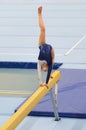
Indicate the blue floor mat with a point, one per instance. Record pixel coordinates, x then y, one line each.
71 96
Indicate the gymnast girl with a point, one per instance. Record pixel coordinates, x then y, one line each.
46 52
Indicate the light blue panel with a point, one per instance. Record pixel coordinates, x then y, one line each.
77 56
28 10
50 14
24 31
18 42
18 57
82 44
34 31
66 31
65 22
69 5
74 66
8 105
18 13
62 41
31 41
51 22
61 5
60 51
25 51
18 21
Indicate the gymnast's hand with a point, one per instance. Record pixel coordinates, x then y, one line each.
44 84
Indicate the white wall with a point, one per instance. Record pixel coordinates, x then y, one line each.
65 21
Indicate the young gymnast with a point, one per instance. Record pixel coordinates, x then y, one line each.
46 54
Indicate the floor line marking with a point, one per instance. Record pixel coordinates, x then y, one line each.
15 93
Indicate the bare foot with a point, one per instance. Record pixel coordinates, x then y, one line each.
40 10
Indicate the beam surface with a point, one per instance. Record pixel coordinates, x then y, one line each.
30 103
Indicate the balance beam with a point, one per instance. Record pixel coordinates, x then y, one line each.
30 103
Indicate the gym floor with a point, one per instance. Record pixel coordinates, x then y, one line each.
10 98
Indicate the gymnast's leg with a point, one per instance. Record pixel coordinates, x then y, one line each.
42 39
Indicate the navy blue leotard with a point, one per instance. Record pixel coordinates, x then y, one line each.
45 54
